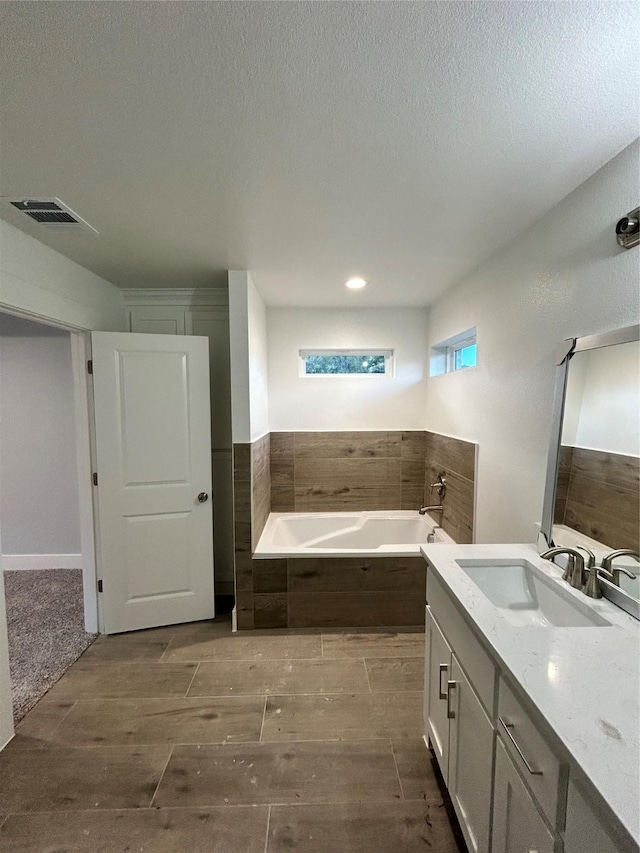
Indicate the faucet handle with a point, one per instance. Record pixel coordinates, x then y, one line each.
620 570
440 486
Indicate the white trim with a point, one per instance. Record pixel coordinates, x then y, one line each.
24 562
38 318
82 399
218 296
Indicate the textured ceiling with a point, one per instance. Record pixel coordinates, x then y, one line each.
309 141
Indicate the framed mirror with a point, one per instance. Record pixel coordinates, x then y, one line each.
592 492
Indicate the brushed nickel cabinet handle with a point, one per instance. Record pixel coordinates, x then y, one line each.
443 668
507 727
451 685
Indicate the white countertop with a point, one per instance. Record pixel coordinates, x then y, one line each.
585 682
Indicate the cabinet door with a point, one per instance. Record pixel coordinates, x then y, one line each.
471 738
157 319
584 831
437 672
517 825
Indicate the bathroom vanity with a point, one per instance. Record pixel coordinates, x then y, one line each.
531 704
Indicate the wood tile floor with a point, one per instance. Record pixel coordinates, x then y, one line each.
193 740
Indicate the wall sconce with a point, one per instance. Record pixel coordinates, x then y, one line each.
628 229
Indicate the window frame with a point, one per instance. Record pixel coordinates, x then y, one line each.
442 356
389 362
454 349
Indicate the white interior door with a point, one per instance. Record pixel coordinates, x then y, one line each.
153 450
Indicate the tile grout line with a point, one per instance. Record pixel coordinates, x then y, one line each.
395 764
161 777
266 840
59 723
197 669
264 714
366 672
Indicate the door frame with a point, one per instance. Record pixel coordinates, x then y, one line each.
83 418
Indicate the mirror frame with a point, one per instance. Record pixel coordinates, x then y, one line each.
565 353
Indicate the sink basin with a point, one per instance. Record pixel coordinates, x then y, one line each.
527 597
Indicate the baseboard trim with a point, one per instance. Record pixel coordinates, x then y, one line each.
13 562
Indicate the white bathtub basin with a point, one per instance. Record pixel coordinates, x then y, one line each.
346 533
527 597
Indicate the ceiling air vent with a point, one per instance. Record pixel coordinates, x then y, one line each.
52 213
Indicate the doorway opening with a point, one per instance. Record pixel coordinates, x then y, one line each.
40 516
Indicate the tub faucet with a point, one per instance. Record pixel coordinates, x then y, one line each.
574 570
425 509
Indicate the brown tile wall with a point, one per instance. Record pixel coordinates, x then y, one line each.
260 486
598 495
342 471
333 472
562 483
456 461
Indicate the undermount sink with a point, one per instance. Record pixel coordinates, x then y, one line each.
527 597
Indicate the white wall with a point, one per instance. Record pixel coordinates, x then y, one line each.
564 277
39 511
350 402
42 282
248 348
608 416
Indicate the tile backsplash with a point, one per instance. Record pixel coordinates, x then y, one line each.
342 471
597 494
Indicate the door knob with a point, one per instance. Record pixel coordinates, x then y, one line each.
203 497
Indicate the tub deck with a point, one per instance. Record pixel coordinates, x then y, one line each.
341 570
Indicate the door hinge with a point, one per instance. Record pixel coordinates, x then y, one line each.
99 586
95 479
90 366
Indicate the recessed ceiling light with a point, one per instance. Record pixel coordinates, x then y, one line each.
356 283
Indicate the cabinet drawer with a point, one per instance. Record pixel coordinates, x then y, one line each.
529 751
477 664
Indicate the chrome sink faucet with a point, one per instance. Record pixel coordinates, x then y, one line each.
574 570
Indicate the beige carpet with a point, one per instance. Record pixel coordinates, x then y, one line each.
45 620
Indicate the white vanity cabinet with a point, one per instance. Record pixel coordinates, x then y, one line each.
459 729
508 776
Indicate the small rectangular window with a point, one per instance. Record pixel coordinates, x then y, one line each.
457 353
346 362
464 355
